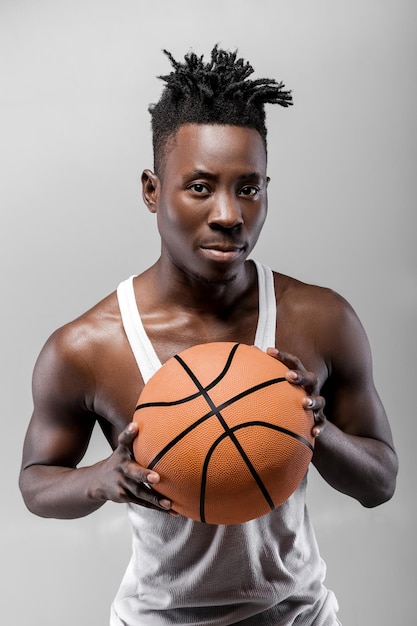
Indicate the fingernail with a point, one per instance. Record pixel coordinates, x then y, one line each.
166 504
152 477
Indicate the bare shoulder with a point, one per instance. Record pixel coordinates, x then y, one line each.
72 356
322 306
323 319
309 297
78 339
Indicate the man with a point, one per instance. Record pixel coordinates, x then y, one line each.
209 194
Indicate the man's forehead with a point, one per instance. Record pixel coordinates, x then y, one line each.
217 142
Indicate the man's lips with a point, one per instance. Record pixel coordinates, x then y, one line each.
222 252
223 247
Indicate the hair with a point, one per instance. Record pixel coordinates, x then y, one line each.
216 92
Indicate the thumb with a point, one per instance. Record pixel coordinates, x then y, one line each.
127 435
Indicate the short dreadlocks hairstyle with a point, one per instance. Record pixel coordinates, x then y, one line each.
216 92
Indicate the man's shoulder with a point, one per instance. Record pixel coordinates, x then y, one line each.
299 292
96 327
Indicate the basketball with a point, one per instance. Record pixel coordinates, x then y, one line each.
226 432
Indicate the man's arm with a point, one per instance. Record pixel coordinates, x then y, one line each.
354 451
57 439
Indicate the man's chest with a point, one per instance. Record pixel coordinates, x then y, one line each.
119 381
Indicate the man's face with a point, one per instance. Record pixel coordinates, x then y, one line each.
212 201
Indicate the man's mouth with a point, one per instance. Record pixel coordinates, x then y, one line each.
222 251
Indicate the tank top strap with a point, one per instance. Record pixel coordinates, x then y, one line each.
142 348
146 358
267 318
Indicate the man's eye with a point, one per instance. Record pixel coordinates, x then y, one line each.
198 188
249 190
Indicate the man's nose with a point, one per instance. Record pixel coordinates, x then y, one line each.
225 212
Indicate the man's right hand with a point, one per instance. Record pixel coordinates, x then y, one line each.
122 479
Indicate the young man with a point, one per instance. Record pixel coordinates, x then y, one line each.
209 194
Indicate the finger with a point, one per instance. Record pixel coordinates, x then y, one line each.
314 403
141 475
303 378
133 470
297 374
319 424
290 360
127 435
154 501
142 493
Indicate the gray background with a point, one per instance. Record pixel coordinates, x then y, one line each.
76 79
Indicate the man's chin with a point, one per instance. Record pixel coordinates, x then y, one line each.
215 281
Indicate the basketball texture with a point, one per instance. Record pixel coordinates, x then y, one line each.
226 432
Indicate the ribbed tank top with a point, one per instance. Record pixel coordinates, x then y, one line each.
267 571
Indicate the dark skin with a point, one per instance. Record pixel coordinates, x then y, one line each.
210 203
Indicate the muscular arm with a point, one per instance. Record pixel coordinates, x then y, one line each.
354 452
58 436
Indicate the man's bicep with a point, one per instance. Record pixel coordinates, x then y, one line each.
352 401
357 410
57 438
61 425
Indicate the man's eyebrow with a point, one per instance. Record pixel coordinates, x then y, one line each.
199 174
203 174
252 176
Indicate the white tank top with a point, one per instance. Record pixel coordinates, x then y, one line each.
143 350
267 571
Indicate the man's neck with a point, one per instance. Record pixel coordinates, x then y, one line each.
174 288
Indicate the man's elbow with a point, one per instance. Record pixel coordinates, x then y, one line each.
29 493
384 483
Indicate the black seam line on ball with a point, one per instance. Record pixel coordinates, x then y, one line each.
255 475
198 393
217 411
211 413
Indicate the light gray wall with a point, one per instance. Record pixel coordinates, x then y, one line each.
76 78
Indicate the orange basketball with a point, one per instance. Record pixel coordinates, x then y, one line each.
226 432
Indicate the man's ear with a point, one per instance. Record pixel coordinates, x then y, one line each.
150 186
